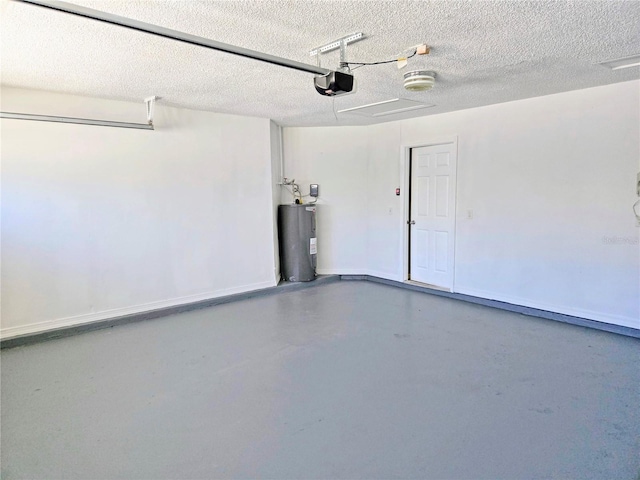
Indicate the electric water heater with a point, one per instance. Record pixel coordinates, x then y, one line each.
298 247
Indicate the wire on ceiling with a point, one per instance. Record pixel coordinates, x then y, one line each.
363 64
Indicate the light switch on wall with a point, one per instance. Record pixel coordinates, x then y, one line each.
469 214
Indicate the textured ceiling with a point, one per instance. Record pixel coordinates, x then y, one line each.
483 52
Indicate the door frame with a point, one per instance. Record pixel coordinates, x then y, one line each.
405 175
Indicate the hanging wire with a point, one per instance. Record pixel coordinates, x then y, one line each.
347 65
363 64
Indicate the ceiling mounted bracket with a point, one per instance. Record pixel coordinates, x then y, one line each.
340 43
151 103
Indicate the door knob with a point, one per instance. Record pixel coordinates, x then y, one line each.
411 222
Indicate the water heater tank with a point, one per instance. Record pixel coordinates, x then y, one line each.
298 248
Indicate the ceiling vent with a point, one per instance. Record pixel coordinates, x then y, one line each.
388 107
419 80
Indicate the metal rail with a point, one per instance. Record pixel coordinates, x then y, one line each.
175 35
81 121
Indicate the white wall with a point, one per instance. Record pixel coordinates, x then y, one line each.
336 159
550 181
275 132
99 222
384 209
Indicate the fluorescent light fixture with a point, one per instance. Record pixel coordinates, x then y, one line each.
626 62
387 107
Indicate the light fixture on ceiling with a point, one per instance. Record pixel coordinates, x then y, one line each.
419 80
387 107
619 63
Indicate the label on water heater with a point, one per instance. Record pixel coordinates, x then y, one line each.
313 246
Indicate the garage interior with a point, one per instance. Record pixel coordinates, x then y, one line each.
474 306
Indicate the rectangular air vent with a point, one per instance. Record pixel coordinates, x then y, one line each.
388 107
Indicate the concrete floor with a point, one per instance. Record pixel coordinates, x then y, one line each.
345 380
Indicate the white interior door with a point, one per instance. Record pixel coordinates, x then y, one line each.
432 214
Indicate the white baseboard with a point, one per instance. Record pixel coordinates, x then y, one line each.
82 319
574 312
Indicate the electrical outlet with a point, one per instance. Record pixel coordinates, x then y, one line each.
423 49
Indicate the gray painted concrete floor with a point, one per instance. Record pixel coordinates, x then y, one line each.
346 380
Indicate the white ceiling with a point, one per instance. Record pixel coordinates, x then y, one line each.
483 52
